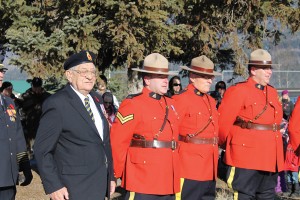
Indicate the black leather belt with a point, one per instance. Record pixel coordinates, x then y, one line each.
154 144
195 140
250 125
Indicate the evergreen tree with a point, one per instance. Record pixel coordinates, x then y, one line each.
43 33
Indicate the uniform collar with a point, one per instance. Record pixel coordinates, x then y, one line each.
151 94
256 85
260 87
196 91
155 95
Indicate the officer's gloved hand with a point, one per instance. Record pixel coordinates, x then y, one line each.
26 169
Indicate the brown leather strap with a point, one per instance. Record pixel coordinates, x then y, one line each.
195 140
250 125
154 144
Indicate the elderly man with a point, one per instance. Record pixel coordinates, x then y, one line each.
72 146
198 132
12 147
250 115
144 137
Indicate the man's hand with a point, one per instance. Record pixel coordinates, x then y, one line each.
61 194
28 177
112 187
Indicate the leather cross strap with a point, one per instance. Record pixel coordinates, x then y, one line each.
154 144
195 140
250 125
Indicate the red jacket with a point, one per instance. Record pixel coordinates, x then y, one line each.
294 126
197 161
250 148
146 170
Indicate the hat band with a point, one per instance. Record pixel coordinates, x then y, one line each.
260 62
202 69
154 69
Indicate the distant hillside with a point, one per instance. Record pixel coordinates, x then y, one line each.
287 53
14 73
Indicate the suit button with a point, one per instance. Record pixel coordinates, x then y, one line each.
7 125
9 139
11 154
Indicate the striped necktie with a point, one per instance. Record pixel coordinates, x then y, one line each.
88 107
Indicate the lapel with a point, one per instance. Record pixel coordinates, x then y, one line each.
77 104
99 104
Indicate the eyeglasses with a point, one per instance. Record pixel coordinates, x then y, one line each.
176 84
84 73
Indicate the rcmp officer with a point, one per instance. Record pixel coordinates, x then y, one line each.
12 147
250 115
198 132
294 128
144 137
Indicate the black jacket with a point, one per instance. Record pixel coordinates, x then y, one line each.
68 149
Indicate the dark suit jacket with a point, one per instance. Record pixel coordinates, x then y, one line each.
12 143
68 149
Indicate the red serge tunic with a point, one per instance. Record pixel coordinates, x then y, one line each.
294 127
197 161
250 148
146 170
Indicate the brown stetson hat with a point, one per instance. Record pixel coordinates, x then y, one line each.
155 63
260 58
2 68
202 65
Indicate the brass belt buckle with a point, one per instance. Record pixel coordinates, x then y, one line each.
174 145
216 140
274 127
155 143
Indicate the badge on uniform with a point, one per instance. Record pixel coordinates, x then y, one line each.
11 111
124 119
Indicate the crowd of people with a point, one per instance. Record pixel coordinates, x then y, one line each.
163 143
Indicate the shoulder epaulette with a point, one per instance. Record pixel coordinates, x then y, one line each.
131 96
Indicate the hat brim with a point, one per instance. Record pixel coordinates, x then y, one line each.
258 64
199 72
154 72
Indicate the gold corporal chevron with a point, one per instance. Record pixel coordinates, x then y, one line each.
124 119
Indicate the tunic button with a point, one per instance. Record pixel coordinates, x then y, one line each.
154 118
243 144
199 113
144 161
270 102
254 103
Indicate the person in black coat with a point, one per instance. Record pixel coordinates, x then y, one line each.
12 147
72 146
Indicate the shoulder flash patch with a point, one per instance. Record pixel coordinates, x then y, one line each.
124 119
131 96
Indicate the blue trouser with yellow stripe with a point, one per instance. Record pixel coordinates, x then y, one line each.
251 184
196 190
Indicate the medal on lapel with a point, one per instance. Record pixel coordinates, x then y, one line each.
11 111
